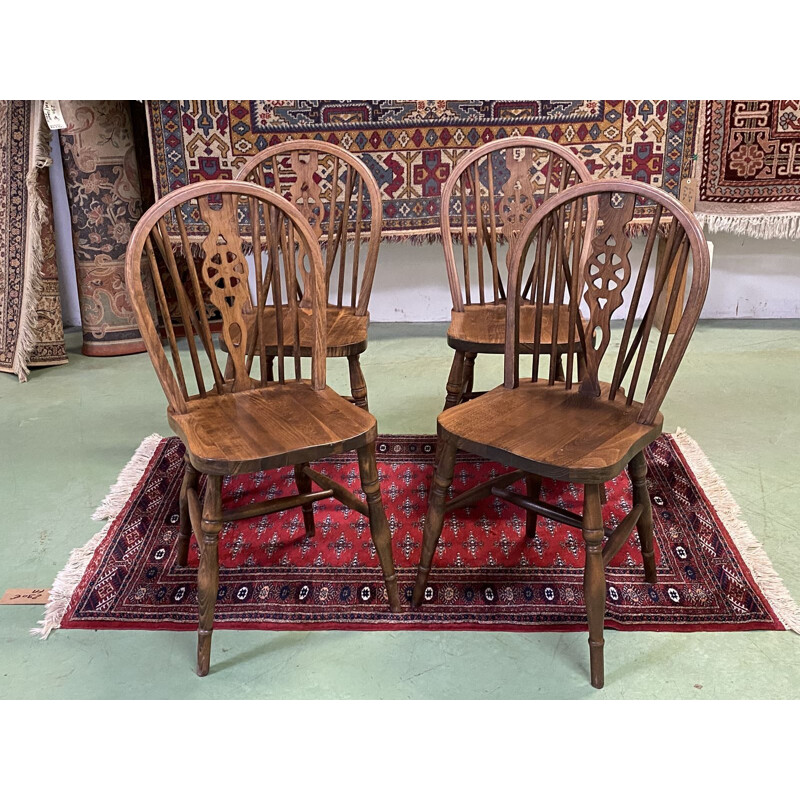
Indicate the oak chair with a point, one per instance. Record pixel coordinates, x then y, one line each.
247 421
340 200
581 430
491 194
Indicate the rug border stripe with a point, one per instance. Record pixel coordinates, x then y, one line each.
754 557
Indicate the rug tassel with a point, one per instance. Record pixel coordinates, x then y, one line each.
68 579
758 226
752 551
119 493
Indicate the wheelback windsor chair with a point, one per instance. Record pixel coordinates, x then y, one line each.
581 430
247 421
340 200
491 194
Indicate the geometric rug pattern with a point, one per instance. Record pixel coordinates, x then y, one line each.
487 574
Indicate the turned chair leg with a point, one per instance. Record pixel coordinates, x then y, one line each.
304 487
358 386
378 524
533 487
455 382
469 374
594 579
208 574
637 469
185 533
442 478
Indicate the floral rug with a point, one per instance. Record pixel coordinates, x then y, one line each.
712 573
105 201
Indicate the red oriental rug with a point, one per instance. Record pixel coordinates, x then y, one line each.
713 574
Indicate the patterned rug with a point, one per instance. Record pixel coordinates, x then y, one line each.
713 574
105 200
411 146
749 167
31 332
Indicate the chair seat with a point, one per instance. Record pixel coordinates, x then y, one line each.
346 332
550 431
274 426
482 329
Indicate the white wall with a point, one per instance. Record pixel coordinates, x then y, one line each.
750 278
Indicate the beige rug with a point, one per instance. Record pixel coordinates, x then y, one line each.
31 332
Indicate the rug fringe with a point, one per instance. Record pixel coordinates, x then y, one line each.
119 493
752 551
760 226
32 285
68 579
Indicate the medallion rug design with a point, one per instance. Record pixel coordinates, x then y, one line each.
105 200
31 332
411 146
749 167
713 574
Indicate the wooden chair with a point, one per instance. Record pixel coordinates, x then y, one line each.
329 186
247 422
585 431
517 174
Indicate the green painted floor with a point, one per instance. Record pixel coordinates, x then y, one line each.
68 432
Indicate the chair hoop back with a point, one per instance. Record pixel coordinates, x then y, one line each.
195 283
329 186
517 180
594 274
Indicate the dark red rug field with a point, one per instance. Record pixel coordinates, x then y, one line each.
487 574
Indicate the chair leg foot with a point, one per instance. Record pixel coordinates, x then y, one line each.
442 478
420 583
358 384
208 573
185 533
303 487
596 666
455 382
378 524
638 472
203 652
594 579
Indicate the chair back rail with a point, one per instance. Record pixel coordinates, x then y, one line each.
339 198
255 298
579 262
492 193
